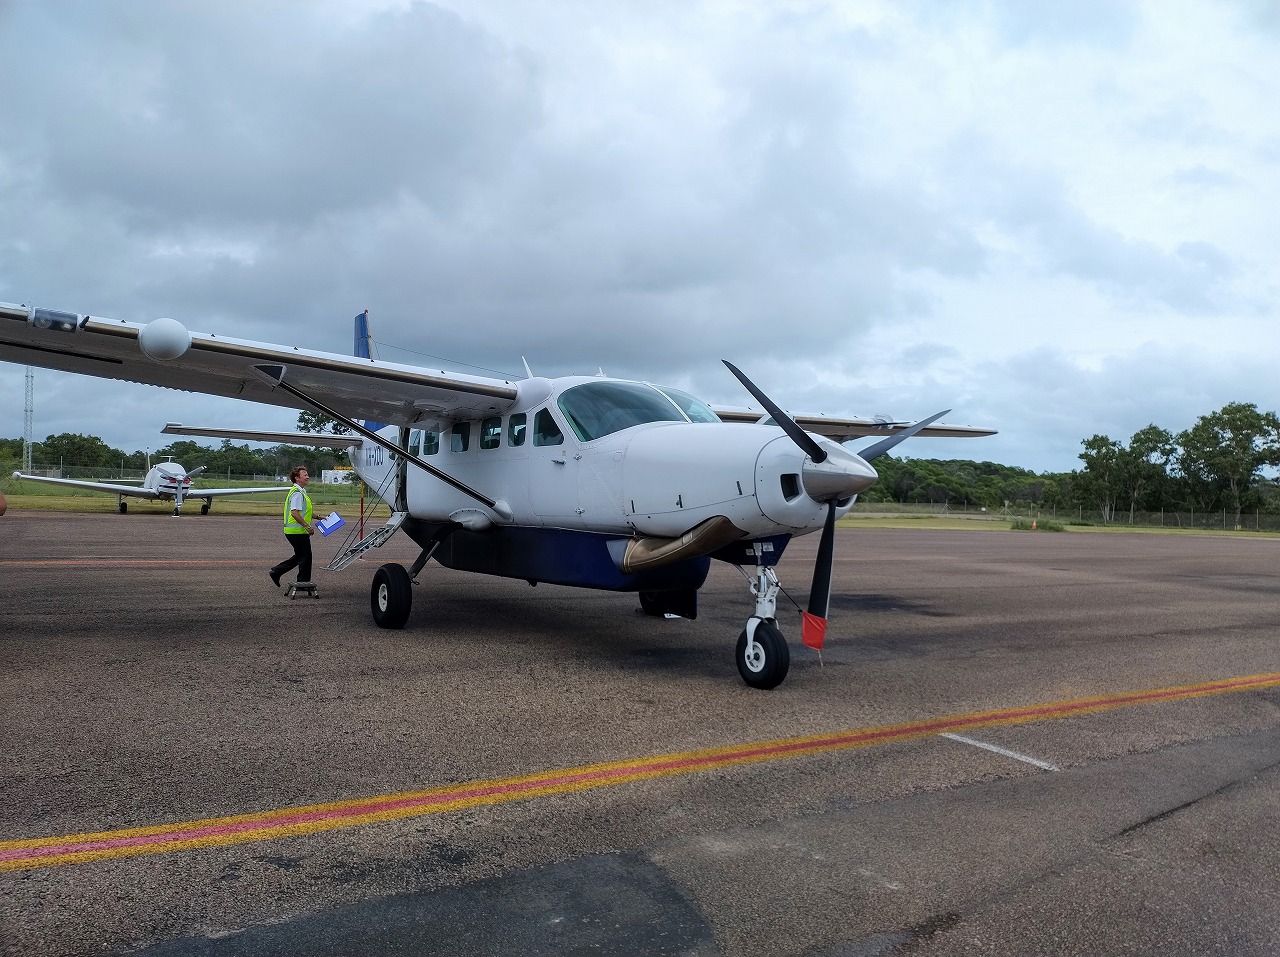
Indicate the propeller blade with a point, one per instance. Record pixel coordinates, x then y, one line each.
820 590
813 628
884 445
197 470
798 435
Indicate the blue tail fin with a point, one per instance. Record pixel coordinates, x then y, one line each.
362 350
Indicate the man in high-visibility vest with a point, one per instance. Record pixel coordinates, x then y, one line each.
298 528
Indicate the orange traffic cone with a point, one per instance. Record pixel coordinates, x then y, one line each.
1033 525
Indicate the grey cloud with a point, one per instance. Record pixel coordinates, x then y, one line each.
1185 121
252 116
269 172
1045 403
1202 176
1058 237
1105 23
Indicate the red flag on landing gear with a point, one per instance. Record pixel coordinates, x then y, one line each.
813 630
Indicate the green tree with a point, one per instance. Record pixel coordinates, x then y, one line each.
315 422
72 448
1103 473
186 453
1229 448
1144 464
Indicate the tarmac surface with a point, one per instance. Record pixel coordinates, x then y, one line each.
153 677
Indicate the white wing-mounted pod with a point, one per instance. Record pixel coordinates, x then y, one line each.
164 339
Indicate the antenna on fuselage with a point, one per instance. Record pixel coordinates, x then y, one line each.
527 370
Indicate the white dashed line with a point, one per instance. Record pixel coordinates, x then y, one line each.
1044 765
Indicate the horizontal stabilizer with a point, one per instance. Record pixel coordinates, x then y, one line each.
326 440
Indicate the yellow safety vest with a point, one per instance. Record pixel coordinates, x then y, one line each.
290 526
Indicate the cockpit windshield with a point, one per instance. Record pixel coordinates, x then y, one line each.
597 409
690 405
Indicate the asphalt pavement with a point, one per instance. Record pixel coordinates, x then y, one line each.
548 771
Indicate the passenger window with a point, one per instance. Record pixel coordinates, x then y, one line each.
415 440
516 429
460 439
545 430
491 432
431 442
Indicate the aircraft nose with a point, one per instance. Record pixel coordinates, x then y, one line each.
842 474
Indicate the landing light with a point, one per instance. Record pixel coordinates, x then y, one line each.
54 319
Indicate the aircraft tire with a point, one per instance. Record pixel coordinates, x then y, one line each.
204 509
124 507
391 597
768 668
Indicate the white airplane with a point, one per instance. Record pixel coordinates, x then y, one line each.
584 481
165 481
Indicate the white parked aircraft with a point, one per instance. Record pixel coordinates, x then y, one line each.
166 481
584 481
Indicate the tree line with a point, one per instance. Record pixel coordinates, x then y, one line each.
1216 464
88 451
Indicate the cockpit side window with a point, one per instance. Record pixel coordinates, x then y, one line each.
597 409
545 430
415 441
431 442
491 432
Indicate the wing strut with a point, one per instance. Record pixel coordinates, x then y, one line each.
275 374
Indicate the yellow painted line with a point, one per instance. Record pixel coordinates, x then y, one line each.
290 822
98 563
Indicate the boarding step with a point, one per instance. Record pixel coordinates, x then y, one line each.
298 589
374 539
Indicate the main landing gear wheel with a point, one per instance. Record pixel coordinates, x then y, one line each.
124 507
764 662
651 604
204 509
391 597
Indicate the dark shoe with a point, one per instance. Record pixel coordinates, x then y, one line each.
275 577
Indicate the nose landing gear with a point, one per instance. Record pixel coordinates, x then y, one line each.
762 654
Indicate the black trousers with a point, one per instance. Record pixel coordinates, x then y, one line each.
301 559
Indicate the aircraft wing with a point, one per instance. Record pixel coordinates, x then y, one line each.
841 429
216 365
323 440
134 490
193 492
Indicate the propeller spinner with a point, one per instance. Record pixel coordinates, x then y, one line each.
832 475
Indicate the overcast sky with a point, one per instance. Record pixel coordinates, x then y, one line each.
1054 219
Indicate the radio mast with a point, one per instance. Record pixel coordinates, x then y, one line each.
26 419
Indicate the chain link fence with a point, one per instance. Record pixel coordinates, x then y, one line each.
1216 519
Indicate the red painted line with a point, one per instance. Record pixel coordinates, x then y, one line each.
277 823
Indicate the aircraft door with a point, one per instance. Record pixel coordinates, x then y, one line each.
554 463
377 467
